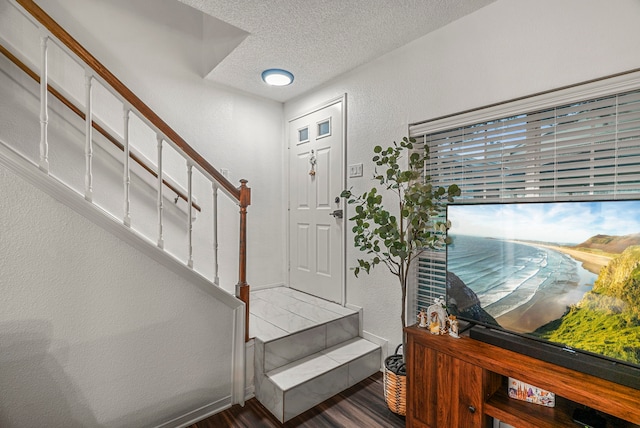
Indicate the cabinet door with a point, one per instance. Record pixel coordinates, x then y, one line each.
421 386
459 393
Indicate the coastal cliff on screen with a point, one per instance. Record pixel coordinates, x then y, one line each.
607 319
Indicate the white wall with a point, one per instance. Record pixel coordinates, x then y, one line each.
93 332
508 49
154 47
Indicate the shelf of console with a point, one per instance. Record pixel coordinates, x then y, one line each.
572 388
518 413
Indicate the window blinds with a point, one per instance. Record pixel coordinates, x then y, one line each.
585 150
582 150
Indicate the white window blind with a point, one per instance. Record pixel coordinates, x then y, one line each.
582 150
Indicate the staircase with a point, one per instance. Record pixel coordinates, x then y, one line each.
81 136
306 350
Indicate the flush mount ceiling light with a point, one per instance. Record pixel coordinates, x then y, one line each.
277 77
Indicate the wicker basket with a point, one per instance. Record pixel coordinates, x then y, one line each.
395 384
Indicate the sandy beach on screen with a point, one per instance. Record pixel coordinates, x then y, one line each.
591 262
549 305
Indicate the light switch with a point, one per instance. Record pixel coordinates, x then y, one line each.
355 170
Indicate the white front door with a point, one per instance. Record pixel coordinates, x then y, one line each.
316 178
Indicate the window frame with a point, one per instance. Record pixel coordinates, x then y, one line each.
433 283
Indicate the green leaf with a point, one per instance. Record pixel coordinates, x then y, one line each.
377 232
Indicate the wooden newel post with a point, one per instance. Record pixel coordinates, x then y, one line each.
242 288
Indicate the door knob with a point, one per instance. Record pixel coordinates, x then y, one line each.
336 213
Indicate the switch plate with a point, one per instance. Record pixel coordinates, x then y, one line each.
355 170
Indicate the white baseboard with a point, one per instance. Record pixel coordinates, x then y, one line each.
223 404
265 286
360 312
354 307
249 392
382 342
249 369
199 414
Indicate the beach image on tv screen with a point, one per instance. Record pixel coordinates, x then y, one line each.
567 272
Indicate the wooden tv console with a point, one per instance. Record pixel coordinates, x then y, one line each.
461 382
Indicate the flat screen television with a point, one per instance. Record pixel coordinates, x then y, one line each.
559 281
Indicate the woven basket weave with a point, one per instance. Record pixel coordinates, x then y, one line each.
395 385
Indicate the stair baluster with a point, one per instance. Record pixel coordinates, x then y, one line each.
190 212
126 178
88 148
160 202
44 113
216 278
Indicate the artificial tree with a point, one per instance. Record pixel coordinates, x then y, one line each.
397 233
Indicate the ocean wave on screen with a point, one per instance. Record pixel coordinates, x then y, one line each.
505 274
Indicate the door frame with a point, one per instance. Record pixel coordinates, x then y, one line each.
343 174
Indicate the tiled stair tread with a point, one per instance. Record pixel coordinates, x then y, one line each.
285 311
304 305
305 369
298 302
263 329
282 292
280 317
350 350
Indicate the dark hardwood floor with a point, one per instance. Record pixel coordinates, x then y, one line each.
359 406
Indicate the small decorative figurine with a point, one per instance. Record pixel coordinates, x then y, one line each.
434 327
437 316
453 326
422 317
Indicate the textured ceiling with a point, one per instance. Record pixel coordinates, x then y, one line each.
318 40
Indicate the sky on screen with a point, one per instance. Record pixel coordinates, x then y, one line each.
557 222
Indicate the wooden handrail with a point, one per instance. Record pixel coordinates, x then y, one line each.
64 100
55 29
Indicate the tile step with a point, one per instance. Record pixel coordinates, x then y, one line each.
298 386
279 311
305 369
296 346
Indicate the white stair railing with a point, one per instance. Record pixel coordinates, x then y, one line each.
95 73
